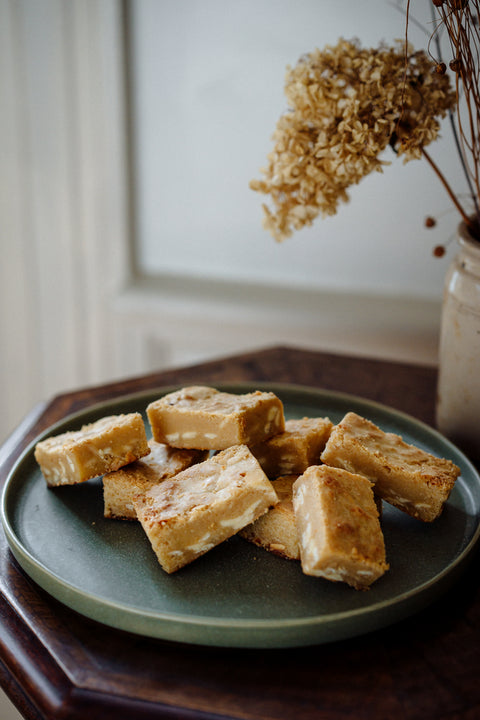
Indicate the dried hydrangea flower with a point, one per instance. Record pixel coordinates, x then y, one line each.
347 104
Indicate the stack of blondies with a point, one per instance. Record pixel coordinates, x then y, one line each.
220 464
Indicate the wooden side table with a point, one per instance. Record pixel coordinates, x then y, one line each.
55 663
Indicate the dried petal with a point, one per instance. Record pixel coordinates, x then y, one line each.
347 104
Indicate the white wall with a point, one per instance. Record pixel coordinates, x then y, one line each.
76 305
64 239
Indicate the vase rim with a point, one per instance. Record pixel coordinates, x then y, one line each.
466 239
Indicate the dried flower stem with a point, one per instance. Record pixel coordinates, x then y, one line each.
446 185
451 113
460 19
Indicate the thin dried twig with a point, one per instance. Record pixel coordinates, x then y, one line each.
460 20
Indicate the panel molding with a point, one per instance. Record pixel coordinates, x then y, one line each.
172 321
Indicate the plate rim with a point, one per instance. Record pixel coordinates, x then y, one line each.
198 621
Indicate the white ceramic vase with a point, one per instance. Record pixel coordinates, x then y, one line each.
458 397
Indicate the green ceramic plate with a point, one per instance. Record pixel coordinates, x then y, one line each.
237 594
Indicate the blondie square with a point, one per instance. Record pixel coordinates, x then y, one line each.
404 475
204 505
293 450
276 530
97 448
206 419
121 486
338 526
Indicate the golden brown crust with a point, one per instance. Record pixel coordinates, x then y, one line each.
338 527
204 418
276 530
186 516
99 447
293 450
122 486
406 476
